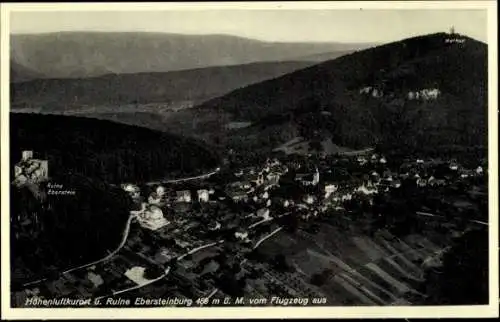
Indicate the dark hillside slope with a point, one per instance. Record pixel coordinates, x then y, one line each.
59 232
105 150
330 96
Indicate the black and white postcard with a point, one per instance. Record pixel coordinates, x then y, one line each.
244 160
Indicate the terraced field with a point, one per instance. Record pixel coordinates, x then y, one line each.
351 268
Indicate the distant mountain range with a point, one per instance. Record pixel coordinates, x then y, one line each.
366 98
90 54
170 89
422 94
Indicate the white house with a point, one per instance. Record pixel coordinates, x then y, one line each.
215 226
346 196
128 187
329 189
152 218
183 196
203 195
396 184
363 189
264 213
243 235
154 199
361 160
308 199
421 182
160 191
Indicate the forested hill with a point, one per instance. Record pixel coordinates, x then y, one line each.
105 150
368 97
59 232
166 88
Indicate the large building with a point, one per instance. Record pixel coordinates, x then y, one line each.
151 217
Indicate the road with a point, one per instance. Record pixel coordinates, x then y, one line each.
194 250
125 231
260 222
356 152
125 234
266 237
201 176
427 214
167 270
197 249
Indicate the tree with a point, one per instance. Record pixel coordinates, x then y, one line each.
319 279
152 272
280 263
463 278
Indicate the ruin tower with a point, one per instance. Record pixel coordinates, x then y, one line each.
27 155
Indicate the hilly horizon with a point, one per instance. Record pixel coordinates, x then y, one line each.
171 89
334 101
343 98
90 54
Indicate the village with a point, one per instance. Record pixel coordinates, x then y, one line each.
202 238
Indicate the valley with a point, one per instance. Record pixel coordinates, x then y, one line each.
351 174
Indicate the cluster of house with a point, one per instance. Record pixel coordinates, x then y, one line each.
419 171
374 159
150 214
253 183
30 170
308 179
424 94
371 91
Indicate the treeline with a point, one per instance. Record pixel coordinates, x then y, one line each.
104 150
463 278
63 231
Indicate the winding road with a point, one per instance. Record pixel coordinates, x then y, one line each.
427 214
125 231
266 237
107 257
201 176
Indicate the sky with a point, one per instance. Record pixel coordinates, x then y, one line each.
277 25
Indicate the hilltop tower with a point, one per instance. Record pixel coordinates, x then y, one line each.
452 30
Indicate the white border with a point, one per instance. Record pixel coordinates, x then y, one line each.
490 310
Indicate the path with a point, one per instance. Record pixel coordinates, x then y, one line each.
201 176
107 257
266 237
